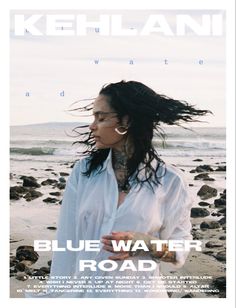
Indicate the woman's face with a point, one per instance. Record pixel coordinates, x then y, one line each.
104 125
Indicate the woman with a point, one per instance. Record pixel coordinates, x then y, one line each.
122 190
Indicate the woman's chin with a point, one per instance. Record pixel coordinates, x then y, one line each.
99 145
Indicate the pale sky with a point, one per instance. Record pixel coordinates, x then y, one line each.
45 66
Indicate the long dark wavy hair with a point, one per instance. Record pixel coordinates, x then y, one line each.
146 110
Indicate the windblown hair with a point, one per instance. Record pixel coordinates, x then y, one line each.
146 110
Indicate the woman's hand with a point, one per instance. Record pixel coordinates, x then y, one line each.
163 255
117 236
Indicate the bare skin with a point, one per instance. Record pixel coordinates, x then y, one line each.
103 129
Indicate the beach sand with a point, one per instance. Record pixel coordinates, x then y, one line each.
30 220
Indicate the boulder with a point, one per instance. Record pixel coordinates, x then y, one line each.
204 177
219 283
61 185
32 194
26 253
204 168
207 192
62 180
64 173
221 202
221 255
221 168
210 225
202 203
199 212
49 182
212 244
50 200
16 192
21 276
222 238
51 228
29 181
222 221
55 193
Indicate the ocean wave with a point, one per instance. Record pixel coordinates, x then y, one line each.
33 151
195 145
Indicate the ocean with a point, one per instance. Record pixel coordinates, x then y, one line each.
52 143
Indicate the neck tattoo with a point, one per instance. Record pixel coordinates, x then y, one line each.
120 160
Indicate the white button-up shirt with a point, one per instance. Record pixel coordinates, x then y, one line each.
90 210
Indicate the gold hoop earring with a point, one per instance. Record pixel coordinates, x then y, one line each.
119 132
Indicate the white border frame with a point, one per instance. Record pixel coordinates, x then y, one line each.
229 6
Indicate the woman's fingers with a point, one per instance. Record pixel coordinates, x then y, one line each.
118 236
120 256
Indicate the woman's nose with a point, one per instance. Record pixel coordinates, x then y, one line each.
92 126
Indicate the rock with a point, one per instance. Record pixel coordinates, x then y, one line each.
49 262
50 200
212 244
221 168
27 263
16 192
199 212
204 177
29 271
197 235
32 194
198 159
219 283
64 173
207 192
190 185
49 169
222 238
46 270
215 214
62 180
222 221
208 252
51 228
204 168
26 253
20 267
202 203
210 225
223 211
13 261
221 256
221 202
61 185
55 193
189 295
39 273
21 276
49 182
29 181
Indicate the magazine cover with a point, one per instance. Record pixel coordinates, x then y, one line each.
118 153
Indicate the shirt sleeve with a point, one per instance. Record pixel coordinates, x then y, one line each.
63 262
176 223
